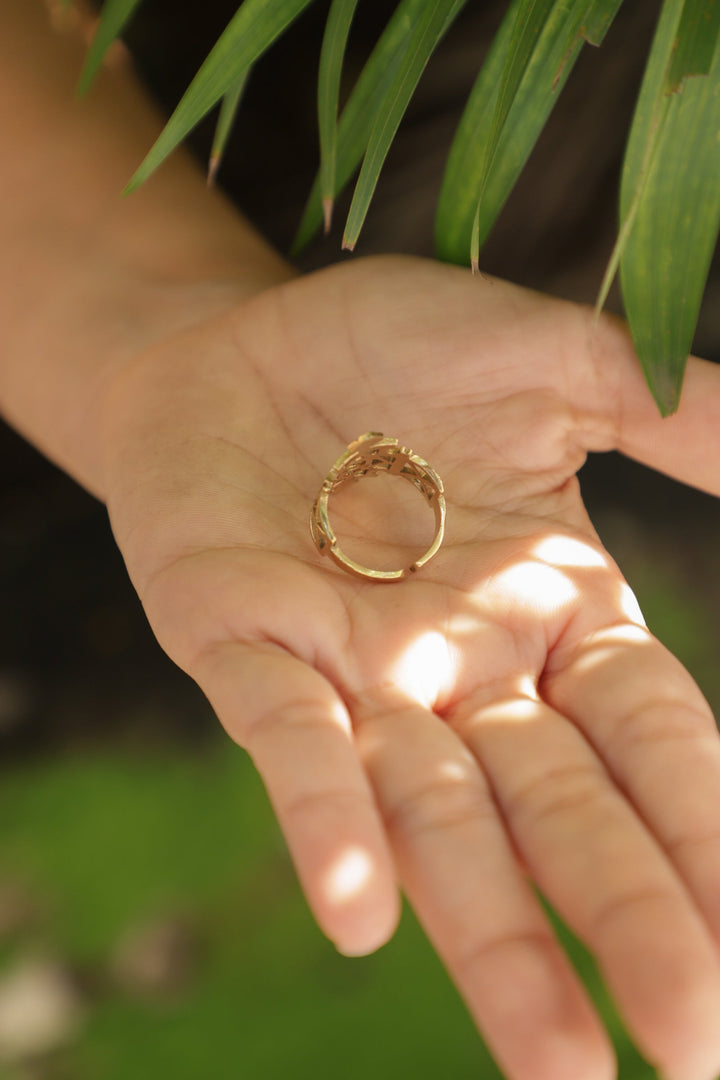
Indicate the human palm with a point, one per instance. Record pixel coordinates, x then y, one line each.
500 719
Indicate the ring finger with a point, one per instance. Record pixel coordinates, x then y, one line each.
601 868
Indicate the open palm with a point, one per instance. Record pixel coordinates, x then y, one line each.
503 718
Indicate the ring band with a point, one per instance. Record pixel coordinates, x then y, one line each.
369 455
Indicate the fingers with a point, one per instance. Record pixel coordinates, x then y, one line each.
653 728
469 891
635 881
296 729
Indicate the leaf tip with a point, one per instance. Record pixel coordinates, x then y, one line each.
82 86
132 185
213 166
347 244
667 399
665 383
327 205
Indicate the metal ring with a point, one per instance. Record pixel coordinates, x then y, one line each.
370 454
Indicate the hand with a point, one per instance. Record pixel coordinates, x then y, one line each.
504 717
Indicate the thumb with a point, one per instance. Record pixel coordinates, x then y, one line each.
686 445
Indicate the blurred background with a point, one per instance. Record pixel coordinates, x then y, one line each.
150 922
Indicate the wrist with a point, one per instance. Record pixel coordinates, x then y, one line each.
67 340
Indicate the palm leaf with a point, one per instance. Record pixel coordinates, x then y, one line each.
250 32
496 135
670 197
358 116
697 36
432 21
114 17
228 111
529 23
599 20
334 43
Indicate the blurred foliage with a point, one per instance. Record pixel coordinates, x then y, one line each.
107 841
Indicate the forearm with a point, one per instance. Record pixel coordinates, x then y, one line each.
87 278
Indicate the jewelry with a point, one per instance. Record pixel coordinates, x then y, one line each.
369 455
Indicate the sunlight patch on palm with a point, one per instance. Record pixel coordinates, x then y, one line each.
630 606
533 584
426 669
568 551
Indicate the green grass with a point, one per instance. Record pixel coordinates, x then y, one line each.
109 841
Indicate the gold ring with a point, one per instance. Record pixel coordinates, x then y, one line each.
369 455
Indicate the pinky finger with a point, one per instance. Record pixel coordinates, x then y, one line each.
298 733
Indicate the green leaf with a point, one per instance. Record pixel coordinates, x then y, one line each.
671 192
599 20
496 134
358 116
650 113
530 19
590 21
228 111
251 31
334 43
697 37
115 16
429 27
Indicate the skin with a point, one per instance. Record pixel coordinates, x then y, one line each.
502 719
